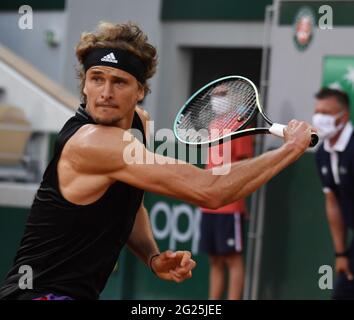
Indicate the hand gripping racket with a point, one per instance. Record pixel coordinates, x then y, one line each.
221 109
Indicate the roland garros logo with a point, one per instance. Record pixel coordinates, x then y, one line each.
304 28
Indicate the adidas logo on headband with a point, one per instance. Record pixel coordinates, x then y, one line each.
126 61
110 58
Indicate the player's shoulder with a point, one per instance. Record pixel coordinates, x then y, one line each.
95 147
95 137
97 131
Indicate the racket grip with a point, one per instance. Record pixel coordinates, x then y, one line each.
277 130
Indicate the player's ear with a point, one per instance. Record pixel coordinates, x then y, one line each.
84 90
141 92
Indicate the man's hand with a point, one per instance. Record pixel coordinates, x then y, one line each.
342 266
175 266
298 134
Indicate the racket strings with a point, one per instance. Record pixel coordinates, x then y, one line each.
242 101
234 104
244 98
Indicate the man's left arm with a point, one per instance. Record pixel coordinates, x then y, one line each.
175 266
141 240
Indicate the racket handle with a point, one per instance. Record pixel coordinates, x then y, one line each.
277 130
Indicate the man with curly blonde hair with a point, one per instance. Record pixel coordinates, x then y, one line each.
90 201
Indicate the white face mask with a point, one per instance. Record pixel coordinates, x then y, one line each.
220 104
326 124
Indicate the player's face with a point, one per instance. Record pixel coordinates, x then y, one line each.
111 94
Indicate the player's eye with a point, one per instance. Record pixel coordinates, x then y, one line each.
97 79
119 81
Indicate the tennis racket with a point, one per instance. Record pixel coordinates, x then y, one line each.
222 109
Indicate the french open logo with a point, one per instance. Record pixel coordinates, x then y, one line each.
304 26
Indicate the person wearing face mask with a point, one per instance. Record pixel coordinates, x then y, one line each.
335 164
222 229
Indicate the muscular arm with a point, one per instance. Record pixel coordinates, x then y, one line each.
174 266
113 154
336 223
141 241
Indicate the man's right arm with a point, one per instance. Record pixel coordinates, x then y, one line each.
110 152
339 234
335 221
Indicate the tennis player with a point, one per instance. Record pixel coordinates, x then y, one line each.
90 201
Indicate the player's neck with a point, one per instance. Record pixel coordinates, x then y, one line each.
126 122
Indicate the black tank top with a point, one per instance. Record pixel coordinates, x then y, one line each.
71 248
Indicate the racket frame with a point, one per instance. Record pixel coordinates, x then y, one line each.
232 135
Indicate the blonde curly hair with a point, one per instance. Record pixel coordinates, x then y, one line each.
126 36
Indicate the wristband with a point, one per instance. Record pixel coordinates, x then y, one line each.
342 254
150 262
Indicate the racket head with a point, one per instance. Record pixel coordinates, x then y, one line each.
221 109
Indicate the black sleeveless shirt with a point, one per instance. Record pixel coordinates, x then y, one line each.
72 249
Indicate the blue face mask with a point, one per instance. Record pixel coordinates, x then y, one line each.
326 124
